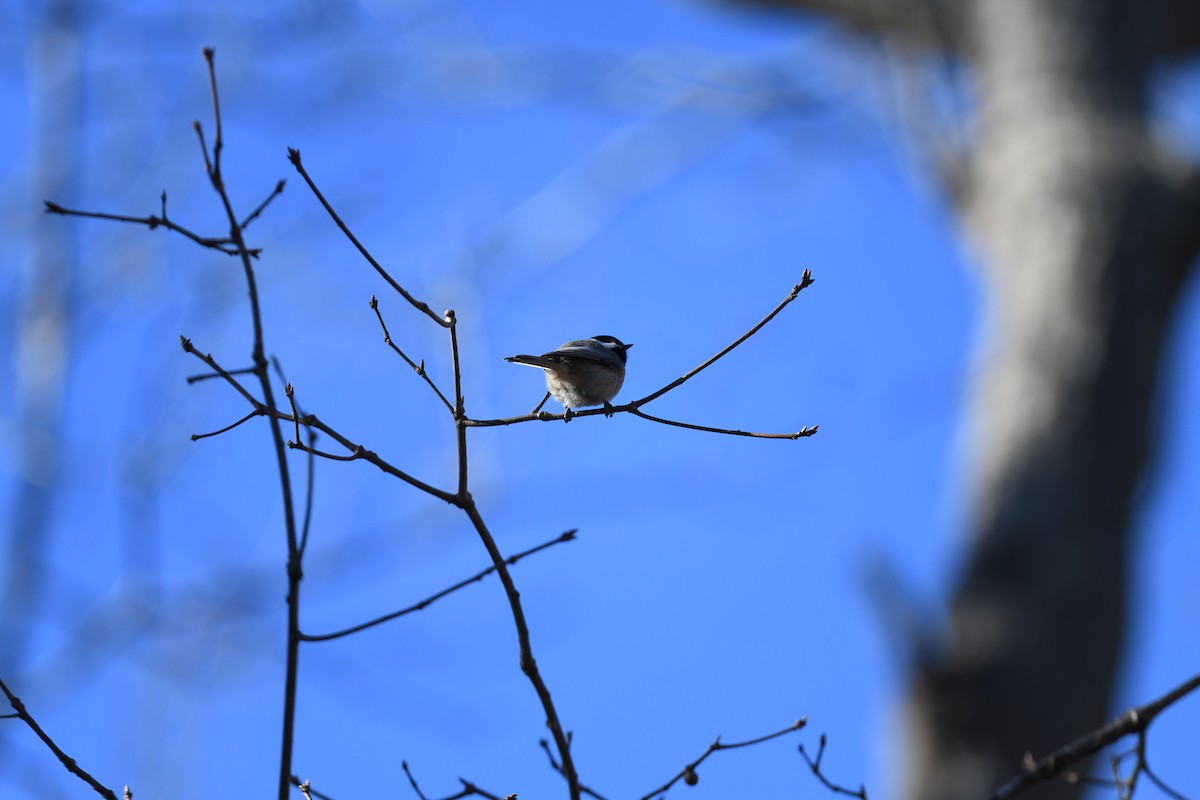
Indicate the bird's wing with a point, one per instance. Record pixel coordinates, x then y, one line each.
583 350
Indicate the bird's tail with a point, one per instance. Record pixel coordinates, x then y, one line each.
534 361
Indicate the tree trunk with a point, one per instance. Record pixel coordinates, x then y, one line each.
1072 222
1086 228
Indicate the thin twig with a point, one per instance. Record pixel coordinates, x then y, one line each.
250 416
218 140
278 190
1162 785
632 408
306 789
468 789
310 476
545 745
66 760
800 434
152 221
1135 720
815 766
325 637
806 280
358 452
294 157
309 483
210 375
471 789
688 773
412 781
207 358
417 368
203 146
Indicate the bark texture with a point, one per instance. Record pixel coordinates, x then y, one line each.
1086 227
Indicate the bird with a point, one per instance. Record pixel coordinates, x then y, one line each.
582 372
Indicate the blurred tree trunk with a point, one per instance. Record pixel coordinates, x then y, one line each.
42 327
1087 227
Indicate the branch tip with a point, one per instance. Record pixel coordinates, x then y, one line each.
54 208
294 156
209 52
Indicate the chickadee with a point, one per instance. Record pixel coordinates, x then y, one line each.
583 372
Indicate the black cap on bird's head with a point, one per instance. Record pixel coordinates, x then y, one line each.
614 344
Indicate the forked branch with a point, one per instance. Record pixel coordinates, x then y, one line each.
1133 721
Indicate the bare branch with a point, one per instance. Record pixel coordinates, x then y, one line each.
468 789
278 190
528 664
806 280
219 370
1135 720
800 434
294 157
203 146
219 141
255 413
688 773
417 368
325 637
152 221
815 766
209 375
634 406
66 760
545 745
412 781
294 570
310 475
358 452
306 789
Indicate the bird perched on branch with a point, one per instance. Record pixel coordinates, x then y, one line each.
582 372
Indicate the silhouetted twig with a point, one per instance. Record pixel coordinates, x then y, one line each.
1135 720
545 745
68 762
306 789
294 157
688 774
815 765
468 789
278 190
250 416
417 368
325 637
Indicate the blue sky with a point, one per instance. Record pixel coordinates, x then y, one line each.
662 172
